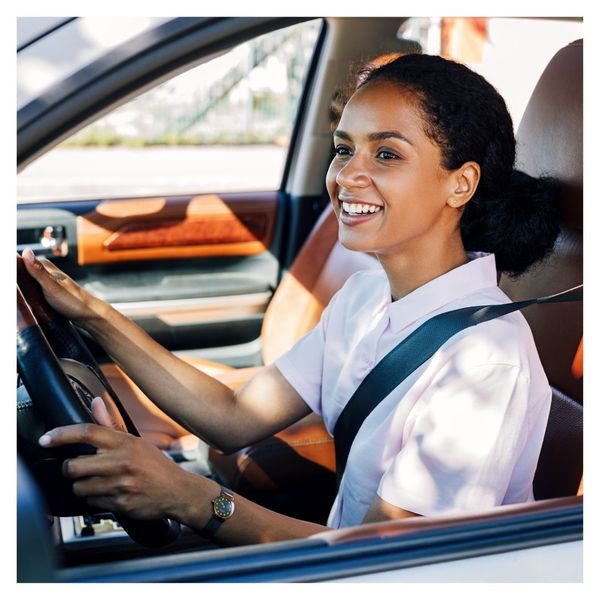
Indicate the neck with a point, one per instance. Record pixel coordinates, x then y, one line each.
410 268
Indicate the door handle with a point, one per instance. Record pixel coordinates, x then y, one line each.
52 242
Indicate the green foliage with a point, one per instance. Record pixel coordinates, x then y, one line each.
105 139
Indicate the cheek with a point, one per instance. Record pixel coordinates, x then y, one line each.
330 182
414 205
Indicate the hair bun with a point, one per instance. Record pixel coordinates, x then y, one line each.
519 226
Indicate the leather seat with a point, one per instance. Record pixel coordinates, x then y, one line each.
550 142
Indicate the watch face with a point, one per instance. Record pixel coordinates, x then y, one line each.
223 507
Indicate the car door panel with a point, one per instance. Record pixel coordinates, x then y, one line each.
195 272
182 227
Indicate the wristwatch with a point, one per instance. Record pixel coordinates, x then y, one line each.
222 507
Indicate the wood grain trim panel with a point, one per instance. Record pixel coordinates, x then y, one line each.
180 227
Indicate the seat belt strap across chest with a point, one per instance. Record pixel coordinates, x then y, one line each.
409 355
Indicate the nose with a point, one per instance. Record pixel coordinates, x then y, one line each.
353 174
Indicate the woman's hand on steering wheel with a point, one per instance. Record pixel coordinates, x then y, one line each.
127 475
61 292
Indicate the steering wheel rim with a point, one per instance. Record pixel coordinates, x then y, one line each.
61 377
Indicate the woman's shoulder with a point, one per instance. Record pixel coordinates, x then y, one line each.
503 340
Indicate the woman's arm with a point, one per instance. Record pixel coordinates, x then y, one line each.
225 419
129 476
380 510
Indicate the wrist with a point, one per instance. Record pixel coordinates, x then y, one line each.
193 506
99 313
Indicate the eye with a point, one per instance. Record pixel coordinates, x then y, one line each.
341 150
387 155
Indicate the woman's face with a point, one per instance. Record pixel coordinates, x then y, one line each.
386 183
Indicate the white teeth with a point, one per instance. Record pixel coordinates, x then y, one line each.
360 208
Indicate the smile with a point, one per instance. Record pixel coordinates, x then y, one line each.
359 209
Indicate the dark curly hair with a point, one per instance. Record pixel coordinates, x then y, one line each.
511 214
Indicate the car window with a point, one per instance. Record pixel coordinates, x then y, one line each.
224 125
510 53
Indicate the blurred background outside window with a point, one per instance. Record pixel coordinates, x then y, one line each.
224 125
510 53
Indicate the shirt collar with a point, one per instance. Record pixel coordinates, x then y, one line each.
477 274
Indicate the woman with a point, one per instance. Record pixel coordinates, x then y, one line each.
423 178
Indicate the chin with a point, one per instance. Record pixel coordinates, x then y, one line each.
354 242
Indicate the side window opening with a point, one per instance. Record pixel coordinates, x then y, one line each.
222 126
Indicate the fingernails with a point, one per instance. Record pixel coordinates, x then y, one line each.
28 255
45 440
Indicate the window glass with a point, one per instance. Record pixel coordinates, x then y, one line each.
224 125
511 53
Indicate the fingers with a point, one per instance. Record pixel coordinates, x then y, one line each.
102 502
103 493
32 262
90 466
38 269
86 433
62 293
97 465
98 486
42 266
101 414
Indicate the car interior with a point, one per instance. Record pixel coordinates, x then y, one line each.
293 472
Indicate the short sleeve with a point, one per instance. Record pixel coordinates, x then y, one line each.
463 444
302 364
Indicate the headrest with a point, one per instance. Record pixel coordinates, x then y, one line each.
550 136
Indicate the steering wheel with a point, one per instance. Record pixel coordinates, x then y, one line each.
61 378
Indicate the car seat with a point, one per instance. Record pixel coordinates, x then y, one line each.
550 142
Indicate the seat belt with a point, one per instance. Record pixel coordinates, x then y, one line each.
409 355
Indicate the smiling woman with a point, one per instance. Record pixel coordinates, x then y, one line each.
454 154
400 174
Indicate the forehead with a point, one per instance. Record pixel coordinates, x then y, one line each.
383 106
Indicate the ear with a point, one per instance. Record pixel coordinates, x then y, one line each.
464 182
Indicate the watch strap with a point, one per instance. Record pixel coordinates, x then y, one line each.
210 529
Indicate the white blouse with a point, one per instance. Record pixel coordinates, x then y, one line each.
463 432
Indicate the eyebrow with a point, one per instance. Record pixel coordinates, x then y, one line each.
376 136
